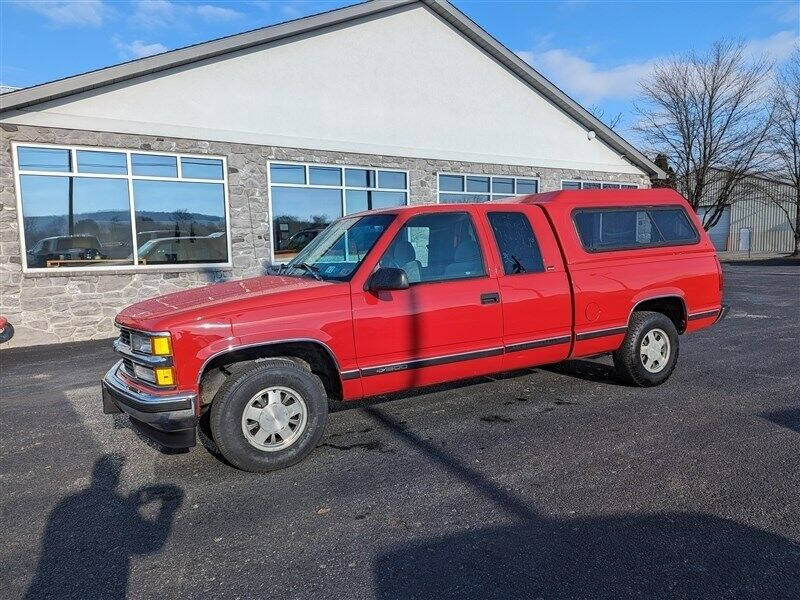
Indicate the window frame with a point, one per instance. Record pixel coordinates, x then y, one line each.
490 176
493 233
648 208
130 177
342 187
582 181
478 240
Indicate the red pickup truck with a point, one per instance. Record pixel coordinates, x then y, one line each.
405 297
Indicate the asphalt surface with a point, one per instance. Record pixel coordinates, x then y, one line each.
552 483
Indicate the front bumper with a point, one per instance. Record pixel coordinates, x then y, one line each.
169 420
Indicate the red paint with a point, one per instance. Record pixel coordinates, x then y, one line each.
578 293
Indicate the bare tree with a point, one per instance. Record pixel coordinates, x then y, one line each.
611 122
708 114
784 144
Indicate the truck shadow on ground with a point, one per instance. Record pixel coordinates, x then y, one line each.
789 418
91 536
654 555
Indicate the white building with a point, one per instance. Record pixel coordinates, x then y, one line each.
211 162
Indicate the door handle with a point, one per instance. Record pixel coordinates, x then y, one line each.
490 298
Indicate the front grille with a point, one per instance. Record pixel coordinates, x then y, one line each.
127 366
125 336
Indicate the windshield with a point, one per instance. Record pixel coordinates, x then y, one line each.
338 250
68 243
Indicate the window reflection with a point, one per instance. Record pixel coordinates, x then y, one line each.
87 220
43 159
154 165
299 214
110 163
201 168
180 222
455 189
302 208
75 221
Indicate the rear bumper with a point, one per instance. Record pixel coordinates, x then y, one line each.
168 420
723 312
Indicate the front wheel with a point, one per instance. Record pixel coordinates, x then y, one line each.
649 352
269 416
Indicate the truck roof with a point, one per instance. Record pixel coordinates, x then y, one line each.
563 199
604 197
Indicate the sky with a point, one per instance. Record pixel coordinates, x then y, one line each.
597 52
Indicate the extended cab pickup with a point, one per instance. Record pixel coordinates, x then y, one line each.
400 298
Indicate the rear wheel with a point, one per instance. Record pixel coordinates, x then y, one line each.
269 416
649 352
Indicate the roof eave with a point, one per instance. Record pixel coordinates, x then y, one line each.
76 84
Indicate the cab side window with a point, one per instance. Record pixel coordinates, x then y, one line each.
436 247
516 242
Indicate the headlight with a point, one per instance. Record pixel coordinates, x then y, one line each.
157 345
140 342
144 373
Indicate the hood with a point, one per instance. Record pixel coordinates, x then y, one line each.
198 303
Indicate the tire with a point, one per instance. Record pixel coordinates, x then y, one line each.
289 389
647 361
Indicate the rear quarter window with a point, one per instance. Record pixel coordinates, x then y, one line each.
607 229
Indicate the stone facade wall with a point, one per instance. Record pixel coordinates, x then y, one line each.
57 307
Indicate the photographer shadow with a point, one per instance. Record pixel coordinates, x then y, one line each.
91 536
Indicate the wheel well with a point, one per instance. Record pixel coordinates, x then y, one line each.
671 306
309 355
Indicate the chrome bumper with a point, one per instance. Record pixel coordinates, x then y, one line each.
168 420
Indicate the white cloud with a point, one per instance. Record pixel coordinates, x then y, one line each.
292 10
209 12
69 12
138 49
154 13
777 47
163 13
585 79
592 83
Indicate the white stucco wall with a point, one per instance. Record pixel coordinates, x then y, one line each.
403 84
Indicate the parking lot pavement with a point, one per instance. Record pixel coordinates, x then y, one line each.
552 483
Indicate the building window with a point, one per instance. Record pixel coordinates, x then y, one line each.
305 198
596 185
455 188
82 208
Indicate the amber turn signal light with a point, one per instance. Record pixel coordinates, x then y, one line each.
164 376
160 346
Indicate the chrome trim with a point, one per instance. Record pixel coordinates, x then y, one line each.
590 335
147 360
354 374
132 400
150 333
704 314
272 343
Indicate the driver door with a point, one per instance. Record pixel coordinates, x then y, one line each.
447 324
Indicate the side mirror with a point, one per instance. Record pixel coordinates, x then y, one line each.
388 278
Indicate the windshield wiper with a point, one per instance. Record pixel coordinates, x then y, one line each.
310 269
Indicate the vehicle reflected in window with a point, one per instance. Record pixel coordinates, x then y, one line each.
75 221
79 214
180 222
299 214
